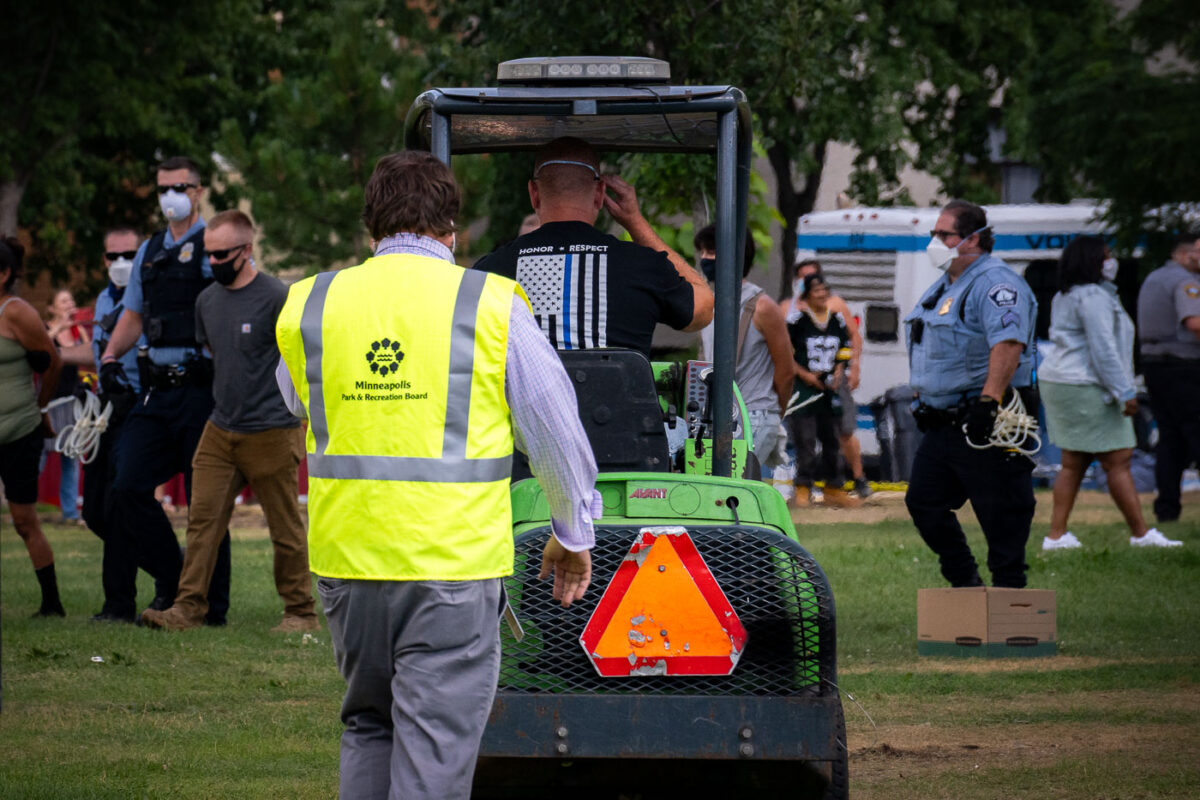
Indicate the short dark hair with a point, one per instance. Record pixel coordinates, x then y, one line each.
411 192
115 229
706 239
812 280
12 258
181 162
1186 239
969 218
1082 261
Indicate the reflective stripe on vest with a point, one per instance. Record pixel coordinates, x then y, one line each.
453 466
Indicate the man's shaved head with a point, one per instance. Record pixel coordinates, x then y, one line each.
558 179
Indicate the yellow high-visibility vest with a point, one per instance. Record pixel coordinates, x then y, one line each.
400 363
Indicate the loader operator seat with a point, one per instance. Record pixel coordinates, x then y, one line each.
618 406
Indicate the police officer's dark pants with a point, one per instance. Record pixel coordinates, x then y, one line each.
116 576
1174 388
158 441
945 474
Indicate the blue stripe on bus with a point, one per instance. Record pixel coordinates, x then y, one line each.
916 243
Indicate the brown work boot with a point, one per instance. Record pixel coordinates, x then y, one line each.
840 498
801 498
292 623
172 619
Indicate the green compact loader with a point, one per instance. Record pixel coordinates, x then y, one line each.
702 661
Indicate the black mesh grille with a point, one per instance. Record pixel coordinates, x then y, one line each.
776 588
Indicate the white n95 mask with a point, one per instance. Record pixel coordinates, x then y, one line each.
119 272
1109 270
175 205
939 254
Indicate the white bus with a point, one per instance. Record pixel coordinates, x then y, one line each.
874 258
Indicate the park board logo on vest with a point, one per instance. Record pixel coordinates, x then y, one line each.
383 358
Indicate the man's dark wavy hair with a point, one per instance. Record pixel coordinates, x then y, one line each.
411 192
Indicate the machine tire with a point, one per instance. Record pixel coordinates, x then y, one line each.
839 769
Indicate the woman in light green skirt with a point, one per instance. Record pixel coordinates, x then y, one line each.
1087 387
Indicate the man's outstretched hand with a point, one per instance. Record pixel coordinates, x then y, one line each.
572 571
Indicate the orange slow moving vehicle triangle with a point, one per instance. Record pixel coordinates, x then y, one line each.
663 613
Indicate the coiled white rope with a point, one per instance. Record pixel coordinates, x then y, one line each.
1014 429
81 440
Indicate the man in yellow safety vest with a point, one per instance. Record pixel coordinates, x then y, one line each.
418 377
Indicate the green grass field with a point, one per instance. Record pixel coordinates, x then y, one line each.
102 711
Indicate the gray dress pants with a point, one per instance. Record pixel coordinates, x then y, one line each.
420 660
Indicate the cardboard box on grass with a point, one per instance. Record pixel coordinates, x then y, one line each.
986 622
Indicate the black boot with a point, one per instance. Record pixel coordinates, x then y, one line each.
51 604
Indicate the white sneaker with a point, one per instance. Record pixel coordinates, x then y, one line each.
1154 538
1065 542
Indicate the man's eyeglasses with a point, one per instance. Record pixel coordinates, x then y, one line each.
936 234
178 187
121 254
223 255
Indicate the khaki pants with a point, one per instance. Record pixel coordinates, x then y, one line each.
223 464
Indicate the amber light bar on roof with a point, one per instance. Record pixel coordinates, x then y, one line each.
583 69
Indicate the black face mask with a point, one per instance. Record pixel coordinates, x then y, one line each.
709 267
225 272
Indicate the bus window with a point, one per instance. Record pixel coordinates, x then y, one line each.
883 323
1042 277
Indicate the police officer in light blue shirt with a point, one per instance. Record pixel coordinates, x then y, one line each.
175 400
970 344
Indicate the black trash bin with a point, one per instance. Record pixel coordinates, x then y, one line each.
896 431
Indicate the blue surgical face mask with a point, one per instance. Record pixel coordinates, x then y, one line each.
1109 270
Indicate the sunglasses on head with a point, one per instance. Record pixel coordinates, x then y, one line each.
113 256
223 255
178 187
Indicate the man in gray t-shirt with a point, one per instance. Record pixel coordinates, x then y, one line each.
250 438
1169 330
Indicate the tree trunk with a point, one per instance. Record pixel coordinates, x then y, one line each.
11 191
793 204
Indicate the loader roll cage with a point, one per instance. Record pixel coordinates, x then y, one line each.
629 117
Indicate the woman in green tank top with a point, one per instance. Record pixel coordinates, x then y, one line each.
24 347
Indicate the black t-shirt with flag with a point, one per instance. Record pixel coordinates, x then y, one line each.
590 290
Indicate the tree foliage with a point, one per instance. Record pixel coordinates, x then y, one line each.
1110 112
904 83
340 83
95 97
300 97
